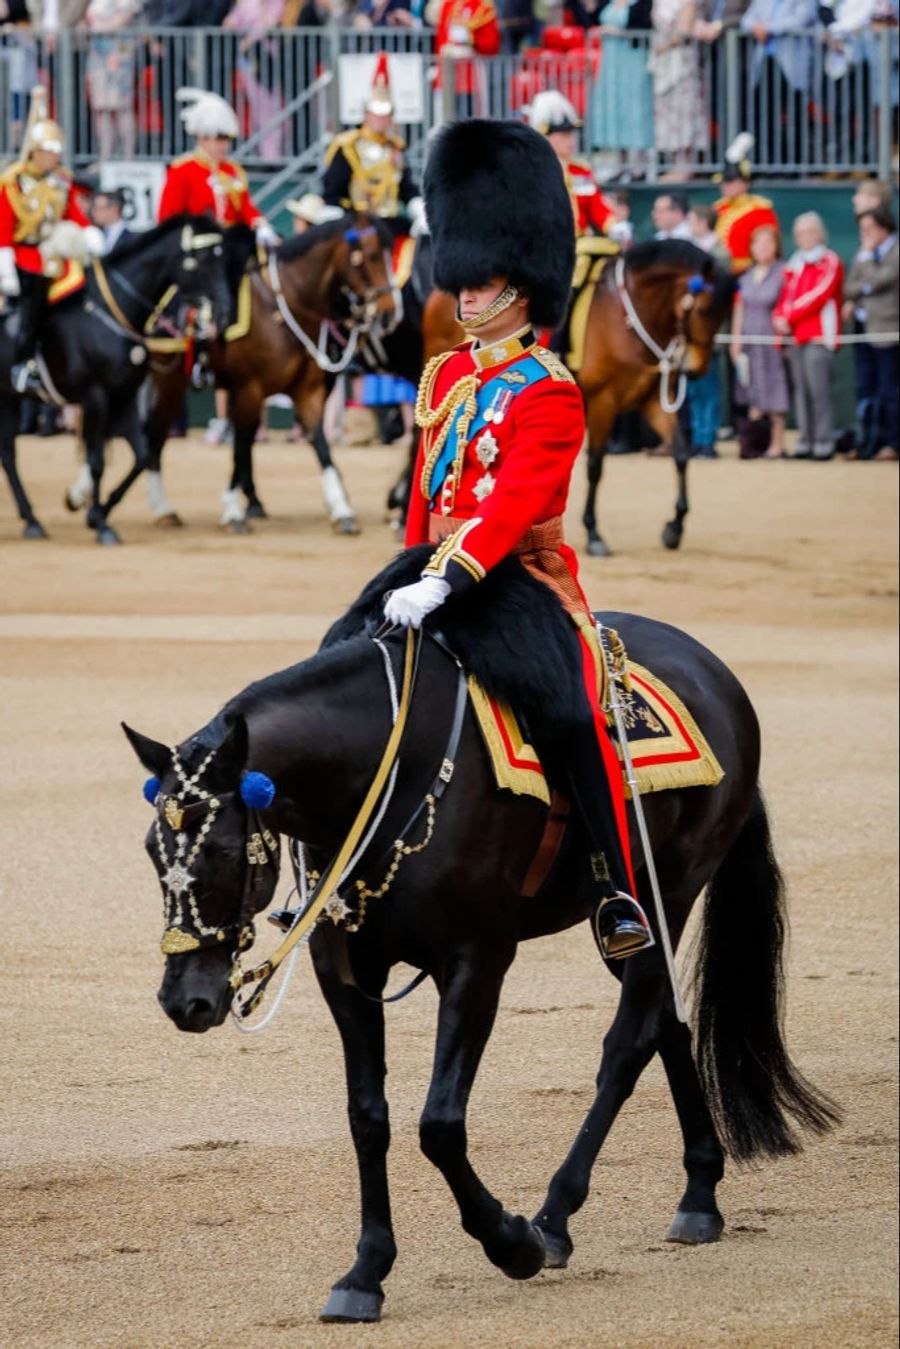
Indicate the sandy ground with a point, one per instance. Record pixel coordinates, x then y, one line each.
160 1190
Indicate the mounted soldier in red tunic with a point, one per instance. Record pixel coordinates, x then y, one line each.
36 196
503 423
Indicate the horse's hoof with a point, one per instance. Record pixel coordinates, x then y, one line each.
347 524
34 530
236 527
598 548
72 502
696 1229
352 1304
671 536
257 511
531 1251
170 520
557 1249
107 536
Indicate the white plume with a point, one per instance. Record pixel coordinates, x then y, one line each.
740 147
207 114
550 108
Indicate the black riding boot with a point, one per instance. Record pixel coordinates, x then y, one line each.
620 925
32 303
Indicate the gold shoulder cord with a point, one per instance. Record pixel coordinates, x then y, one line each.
463 392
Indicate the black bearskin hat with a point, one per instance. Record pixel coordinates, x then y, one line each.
497 205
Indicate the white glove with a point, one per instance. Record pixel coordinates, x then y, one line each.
94 241
9 277
418 221
406 607
265 235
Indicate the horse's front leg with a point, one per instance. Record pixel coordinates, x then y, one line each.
629 1046
95 420
673 530
9 417
310 407
600 417
129 426
359 1294
246 412
470 992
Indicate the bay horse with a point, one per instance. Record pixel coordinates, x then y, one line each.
650 327
93 348
455 908
335 283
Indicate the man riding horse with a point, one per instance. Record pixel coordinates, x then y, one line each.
553 116
503 423
36 195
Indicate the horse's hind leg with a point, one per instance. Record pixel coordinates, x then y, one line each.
599 420
698 1219
359 1294
311 411
129 426
627 1049
470 992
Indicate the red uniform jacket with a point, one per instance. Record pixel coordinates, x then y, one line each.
467 23
196 185
30 205
811 297
738 217
513 473
588 203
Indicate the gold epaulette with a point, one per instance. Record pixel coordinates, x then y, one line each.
344 140
552 364
11 172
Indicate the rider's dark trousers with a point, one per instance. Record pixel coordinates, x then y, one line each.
31 308
587 773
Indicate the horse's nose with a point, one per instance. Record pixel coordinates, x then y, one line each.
195 1014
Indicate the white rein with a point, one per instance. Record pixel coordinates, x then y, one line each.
670 358
318 352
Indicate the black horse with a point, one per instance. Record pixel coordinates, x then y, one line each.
455 908
95 353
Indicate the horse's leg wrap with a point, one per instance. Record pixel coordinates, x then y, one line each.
358 1295
629 1046
469 999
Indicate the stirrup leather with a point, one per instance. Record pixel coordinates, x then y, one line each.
628 935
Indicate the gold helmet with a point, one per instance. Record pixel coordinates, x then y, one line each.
380 100
41 133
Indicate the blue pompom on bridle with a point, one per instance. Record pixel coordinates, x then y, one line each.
151 790
257 791
697 285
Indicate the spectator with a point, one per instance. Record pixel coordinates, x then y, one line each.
622 101
763 373
714 16
620 227
257 67
704 400
871 194
669 216
780 54
809 309
466 28
110 75
740 211
307 211
873 306
680 113
106 214
383 14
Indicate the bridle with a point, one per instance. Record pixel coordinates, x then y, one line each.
116 319
361 305
670 358
185 929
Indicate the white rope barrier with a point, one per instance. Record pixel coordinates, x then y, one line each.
845 340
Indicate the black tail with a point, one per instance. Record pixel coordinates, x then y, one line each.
753 1090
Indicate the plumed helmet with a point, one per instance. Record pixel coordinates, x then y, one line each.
551 111
207 114
737 158
497 206
41 132
380 99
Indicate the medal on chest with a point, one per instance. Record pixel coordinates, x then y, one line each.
486 451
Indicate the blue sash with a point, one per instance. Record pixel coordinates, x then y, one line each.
532 372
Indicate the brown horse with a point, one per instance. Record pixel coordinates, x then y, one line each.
308 307
650 327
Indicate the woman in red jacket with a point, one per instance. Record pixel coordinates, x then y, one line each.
809 310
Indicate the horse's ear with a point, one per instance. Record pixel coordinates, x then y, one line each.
154 756
231 756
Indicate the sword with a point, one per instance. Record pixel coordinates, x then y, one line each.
616 708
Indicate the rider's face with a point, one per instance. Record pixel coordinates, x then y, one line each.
45 160
216 147
563 143
473 300
380 123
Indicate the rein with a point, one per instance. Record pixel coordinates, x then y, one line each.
333 875
318 352
670 358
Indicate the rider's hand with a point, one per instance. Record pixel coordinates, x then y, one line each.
407 607
9 276
265 235
93 238
418 222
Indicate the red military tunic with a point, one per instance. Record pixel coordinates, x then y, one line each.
502 427
31 204
592 213
197 185
738 217
466 24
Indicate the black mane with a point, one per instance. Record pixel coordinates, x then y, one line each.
298 244
668 253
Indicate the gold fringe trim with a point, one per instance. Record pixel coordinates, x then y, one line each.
520 781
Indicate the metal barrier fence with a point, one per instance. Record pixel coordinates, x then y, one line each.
813 106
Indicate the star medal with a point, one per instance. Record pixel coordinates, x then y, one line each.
484 486
487 449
